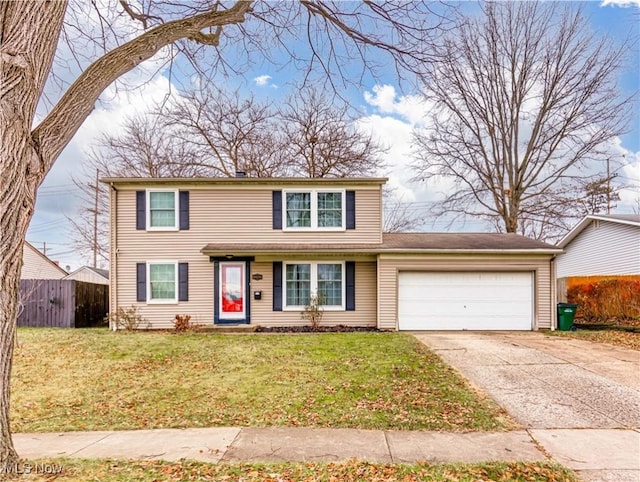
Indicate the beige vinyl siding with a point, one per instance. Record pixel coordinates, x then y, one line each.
224 215
161 315
132 246
390 265
201 302
37 266
233 215
364 315
602 248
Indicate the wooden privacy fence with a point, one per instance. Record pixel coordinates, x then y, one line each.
62 303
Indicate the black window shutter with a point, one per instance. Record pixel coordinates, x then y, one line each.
183 281
350 275
277 209
184 209
216 290
351 209
277 286
141 210
141 281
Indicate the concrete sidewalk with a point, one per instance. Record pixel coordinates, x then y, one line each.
282 444
596 454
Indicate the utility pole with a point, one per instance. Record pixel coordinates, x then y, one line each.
608 186
95 221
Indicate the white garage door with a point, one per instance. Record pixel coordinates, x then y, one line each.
465 301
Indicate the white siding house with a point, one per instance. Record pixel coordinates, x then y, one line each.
36 265
601 245
90 275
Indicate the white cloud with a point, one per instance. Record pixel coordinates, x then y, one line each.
620 3
386 100
262 80
393 125
396 135
630 194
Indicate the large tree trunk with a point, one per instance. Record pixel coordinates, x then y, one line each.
29 34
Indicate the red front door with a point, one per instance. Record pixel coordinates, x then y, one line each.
232 295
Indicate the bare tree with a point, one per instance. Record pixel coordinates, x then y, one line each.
340 34
524 97
600 196
398 215
90 225
147 148
228 133
322 139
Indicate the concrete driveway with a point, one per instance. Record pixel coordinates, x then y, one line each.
580 400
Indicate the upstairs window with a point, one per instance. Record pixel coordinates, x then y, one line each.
329 209
298 209
162 209
321 210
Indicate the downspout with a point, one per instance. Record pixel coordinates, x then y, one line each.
113 259
554 294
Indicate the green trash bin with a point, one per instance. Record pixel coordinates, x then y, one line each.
566 314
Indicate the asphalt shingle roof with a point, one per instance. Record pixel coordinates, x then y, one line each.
399 242
462 241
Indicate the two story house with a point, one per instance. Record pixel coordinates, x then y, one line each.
254 251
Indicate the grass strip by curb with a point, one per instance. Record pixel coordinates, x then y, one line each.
119 470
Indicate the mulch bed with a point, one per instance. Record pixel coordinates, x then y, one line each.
630 325
309 329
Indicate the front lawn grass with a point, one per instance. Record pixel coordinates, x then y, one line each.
93 379
114 471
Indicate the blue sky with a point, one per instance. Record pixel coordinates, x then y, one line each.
386 111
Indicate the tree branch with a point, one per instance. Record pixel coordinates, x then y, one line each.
57 129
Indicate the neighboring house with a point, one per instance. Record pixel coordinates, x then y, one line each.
90 275
36 265
250 250
601 245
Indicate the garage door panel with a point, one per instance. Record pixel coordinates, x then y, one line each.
465 301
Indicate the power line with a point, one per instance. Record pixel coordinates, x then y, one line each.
55 186
47 242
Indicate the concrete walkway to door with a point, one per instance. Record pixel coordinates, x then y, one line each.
554 385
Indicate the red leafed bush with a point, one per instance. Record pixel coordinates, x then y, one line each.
182 323
607 299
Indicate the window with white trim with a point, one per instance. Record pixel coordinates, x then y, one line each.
322 210
162 282
162 210
302 279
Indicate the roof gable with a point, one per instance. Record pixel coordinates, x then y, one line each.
626 219
30 255
100 272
